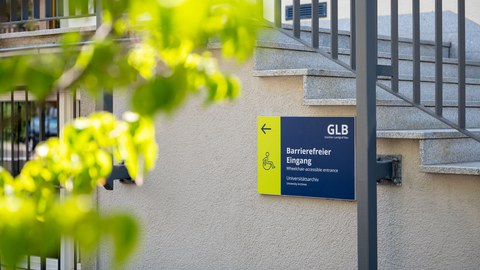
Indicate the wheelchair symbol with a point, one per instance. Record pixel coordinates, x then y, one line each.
267 165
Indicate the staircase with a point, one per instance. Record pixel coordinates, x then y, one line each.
328 82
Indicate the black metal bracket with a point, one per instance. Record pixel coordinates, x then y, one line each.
389 170
119 172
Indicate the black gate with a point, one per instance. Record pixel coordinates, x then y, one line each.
25 122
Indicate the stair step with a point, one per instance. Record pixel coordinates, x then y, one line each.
442 151
427 48
439 146
338 88
325 84
388 102
397 115
271 55
423 134
468 168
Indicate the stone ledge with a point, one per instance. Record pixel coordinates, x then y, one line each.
387 102
329 102
348 74
303 72
467 168
297 46
425 134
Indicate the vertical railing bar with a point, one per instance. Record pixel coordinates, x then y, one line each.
27 120
18 127
59 265
58 114
41 122
394 45
296 18
48 8
277 13
43 263
25 9
12 132
461 65
438 59
334 28
315 24
416 51
13 11
3 11
74 103
36 9
353 36
1 135
74 255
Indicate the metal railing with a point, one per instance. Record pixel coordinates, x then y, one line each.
31 15
364 62
25 122
392 71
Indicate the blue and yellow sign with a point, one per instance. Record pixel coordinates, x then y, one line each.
306 156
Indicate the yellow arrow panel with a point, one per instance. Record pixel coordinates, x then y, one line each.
269 155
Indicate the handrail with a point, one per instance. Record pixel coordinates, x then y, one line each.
20 16
393 70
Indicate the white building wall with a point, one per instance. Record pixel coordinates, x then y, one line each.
200 208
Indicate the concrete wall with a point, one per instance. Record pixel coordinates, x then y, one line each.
200 208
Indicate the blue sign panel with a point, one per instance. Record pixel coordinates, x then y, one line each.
316 157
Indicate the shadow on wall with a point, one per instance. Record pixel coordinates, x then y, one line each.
427 30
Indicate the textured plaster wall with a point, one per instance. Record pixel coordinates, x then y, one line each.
200 208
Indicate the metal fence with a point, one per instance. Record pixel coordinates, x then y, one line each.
29 15
364 40
392 71
25 122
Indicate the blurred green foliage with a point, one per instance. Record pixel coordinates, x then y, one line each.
157 50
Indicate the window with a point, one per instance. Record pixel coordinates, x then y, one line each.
306 11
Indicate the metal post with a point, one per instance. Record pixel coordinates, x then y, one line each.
3 11
315 24
24 9
277 13
416 51
353 31
106 103
461 65
296 18
2 125
98 12
12 133
334 28
36 9
438 59
366 186
27 121
394 44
